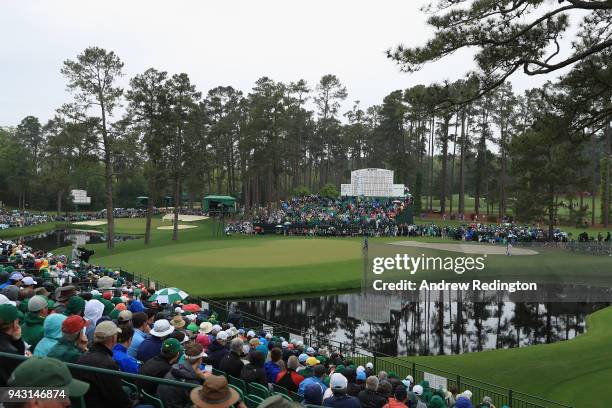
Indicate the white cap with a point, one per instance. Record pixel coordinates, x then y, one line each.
310 351
299 343
284 344
5 301
467 394
222 335
27 281
338 381
178 310
95 292
268 336
370 365
216 328
360 368
250 333
417 389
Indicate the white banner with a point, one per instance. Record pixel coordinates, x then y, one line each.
435 381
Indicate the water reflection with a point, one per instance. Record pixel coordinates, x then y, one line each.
51 240
433 324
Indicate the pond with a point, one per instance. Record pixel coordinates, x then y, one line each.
51 240
394 326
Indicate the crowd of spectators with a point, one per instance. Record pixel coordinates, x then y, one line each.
16 218
55 310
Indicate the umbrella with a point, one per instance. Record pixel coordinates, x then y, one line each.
168 295
192 307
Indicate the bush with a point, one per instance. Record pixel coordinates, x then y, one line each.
300 191
329 191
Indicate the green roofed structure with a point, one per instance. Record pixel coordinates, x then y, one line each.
219 204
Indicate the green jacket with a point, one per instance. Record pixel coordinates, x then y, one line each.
65 351
32 329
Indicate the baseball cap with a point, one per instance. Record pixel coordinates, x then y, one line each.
124 316
222 335
16 276
370 365
106 329
6 301
9 313
254 342
417 389
250 333
37 303
284 344
27 281
338 381
46 372
217 328
73 324
302 358
171 345
312 361
310 351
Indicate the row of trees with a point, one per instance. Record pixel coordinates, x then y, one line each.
530 153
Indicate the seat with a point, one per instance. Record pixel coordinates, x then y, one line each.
258 389
296 397
280 388
219 372
252 401
151 400
285 396
238 382
238 390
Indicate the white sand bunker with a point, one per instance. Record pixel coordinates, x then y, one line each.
186 218
468 248
90 223
180 226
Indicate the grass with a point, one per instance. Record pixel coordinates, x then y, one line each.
571 372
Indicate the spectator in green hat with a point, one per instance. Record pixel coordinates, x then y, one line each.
47 372
159 365
75 306
10 340
32 328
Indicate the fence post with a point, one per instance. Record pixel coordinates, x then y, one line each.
414 376
509 397
458 383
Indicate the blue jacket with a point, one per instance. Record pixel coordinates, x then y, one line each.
126 363
311 380
52 333
149 348
342 401
137 340
272 370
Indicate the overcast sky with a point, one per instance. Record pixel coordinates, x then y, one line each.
232 42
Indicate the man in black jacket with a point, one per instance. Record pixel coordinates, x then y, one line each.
369 397
159 365
217 350
187 372
10 340
231 364
105 390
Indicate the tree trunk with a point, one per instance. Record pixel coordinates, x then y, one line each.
444 167
462 165
452 171
147 237
606 198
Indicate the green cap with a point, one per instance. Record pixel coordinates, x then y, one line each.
75 305
46 372
171 345
9 313
339 369
192 327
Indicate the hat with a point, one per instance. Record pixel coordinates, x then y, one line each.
161 328
177 321
124 316
9 313
106 329
278 401
73 324
192 327
37 303
338 381
106 282
216 328
64 293
76 305
171 345
254 342
178 310
302 358
312 361
28 281
370 365
107 295
417 389
310 351
16 276
95 292
467 394
222 335
136 306
284 344
6 301
205 327
361 376
214 393
46 372
268 336
250 333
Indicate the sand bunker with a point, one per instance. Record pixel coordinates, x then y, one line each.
186 218
180 226
488 249
90 223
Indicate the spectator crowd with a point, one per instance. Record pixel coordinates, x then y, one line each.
54 310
